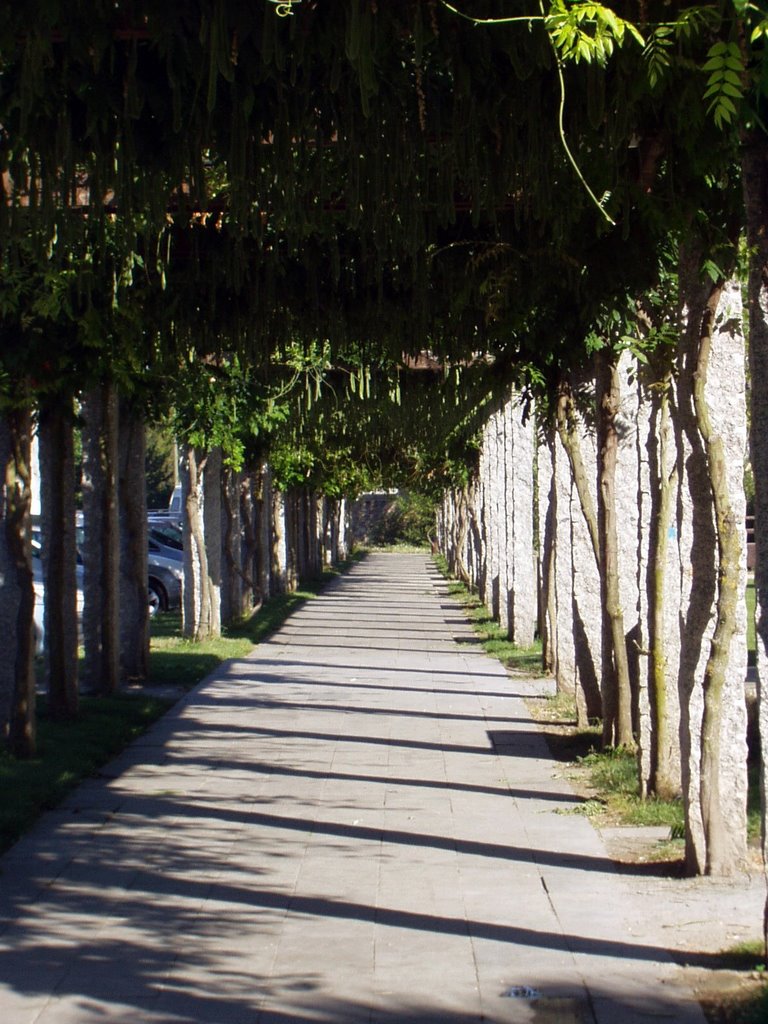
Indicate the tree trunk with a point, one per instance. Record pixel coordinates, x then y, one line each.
277 568
755 184
578 556
664 779
547 497
197 597
17 596
617 694
101 541
132 492
714 720
59 555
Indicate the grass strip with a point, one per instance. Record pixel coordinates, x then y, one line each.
69 752
493 639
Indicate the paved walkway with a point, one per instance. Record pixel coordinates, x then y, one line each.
358 823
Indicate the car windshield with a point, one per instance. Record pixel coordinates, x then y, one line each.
168 534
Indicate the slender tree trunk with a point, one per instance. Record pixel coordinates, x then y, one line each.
277 572
59 555
755 185
251 550
17 596
567 428
197 598
101 541
617 694
547 550
664 779
572 556
213 530
134 601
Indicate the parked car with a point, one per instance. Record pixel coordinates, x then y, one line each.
165 537
39 586
164 582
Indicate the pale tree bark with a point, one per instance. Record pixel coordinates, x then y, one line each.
278 557
59 554
712 411
617 694
578 516
755 184
547 516
197 613
522 579
213 530
264 500
132 493
101 541
17 596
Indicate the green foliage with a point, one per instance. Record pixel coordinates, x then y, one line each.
160 467
613 774
410 519
725 87
587 32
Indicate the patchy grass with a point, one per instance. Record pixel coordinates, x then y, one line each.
489 633
613 776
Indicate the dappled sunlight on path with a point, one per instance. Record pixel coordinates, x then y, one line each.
359 822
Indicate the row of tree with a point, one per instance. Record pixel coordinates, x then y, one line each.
214 193
637 578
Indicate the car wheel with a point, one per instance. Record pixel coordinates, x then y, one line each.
158 599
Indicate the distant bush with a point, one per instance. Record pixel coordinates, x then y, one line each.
410 519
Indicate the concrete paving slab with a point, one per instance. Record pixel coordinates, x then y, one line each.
356 823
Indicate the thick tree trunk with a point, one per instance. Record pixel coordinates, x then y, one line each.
101 541
755 184
17 596
59 555
132 492
617 695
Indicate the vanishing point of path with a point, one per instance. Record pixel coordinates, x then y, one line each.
357 823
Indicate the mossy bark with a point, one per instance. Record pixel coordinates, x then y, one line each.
615 683
664 780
